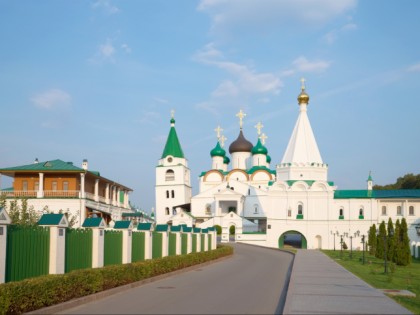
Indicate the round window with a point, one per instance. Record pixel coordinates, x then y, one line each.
169 159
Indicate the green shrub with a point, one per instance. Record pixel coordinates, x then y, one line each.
218 229
31 294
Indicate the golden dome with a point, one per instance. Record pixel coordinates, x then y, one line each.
303 98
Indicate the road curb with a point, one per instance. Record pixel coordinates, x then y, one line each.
53 309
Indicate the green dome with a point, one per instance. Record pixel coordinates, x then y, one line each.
259 148
226 160
268 159
218 151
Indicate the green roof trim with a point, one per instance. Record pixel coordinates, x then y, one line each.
211 229
162 228
260 168
122 224
173 147
51 219
54 165
186 229
176 228
309 182
132 214
204 230
144 227
377 194
196 230
93 222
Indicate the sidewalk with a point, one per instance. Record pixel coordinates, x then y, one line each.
318 285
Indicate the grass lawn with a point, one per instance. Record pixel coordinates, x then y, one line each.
398 277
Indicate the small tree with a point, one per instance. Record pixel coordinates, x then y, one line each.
405 256
218 229
380 248
232 230
372 240
22 214
390 251
397 242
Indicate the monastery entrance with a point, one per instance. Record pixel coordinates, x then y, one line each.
292 239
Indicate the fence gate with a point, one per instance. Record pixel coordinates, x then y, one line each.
172 244
157 245
78 249
113 248
28 251
184 244
194 243
137 246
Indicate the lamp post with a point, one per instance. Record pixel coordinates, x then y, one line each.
363 242
351 247
341 246
333 233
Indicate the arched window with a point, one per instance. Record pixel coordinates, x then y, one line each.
383 210
361 212
300 209
174 211
167 211
170 175
411 210
399 210
341 212
255 208
167 194
173 193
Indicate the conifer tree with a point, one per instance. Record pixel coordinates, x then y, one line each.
405 252
380 246
372 240
390 250
397 242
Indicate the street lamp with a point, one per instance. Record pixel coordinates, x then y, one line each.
363 242
341 244
351 246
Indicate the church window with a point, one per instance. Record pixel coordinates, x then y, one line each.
341 212
249 191
300 209
383 210
411 210
289 212
167 194
170 175
399 210
173 211
25 185
54 186
361 212
167 211
173 193
255 208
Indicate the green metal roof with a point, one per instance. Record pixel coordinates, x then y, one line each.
186 229
144 227
226 160
196 230
176 228
258 168
132 214
204 230
211 229
259 148
122 224
54 165
50 219
161 228
218 151
173 147
377 194
92 222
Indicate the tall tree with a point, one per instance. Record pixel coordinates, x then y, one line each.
397 241
372 240
408 181
390 251
405 257
380 244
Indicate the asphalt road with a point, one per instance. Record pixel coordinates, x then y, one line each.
251 282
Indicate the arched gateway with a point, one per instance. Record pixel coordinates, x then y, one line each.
292 239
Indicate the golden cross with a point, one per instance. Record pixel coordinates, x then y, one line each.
218 131
263 137
222 140
241 116
259 126
303 83
172 113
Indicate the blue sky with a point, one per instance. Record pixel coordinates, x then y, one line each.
98 79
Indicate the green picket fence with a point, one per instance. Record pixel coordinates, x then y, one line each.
27 253
113 248
137 246
172 244
184 244
78 249
194 243
209 241
157 239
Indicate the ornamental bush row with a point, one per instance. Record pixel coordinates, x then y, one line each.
31 294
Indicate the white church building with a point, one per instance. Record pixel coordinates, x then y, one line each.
268 204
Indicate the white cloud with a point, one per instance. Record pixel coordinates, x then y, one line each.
208 107
104 53
264 14
414 68
302 64
106 6
332 36
148 117
51 99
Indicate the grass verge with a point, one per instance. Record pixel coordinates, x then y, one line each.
35 293
372 272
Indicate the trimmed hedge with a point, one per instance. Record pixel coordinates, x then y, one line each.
31 294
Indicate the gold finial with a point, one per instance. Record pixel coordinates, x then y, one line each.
241 115
303 98
263 137
218 131
259 126
222 140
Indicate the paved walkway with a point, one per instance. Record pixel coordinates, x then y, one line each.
318 285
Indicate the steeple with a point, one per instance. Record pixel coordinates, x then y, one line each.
172 147
302 147
370 181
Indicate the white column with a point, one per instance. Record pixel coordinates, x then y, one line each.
126 199
189 243
225 234
107 194
57 250
148 245
118 197
198 242
40 193
127 242
214 240
165 244
3 245
178 243
82 185
114 188
98 247
206 242
97 190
